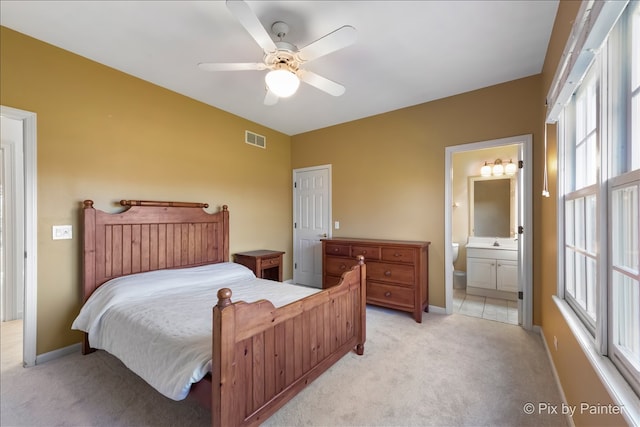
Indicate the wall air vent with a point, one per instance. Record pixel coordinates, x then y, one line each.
255 139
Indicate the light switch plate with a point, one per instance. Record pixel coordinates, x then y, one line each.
61 232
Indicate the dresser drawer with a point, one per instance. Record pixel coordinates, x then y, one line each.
398 255
336 266
389 294
269 262
396 273
335 249
368 252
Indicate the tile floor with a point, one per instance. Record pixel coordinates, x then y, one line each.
499 310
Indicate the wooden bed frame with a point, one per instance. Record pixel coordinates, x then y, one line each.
262 355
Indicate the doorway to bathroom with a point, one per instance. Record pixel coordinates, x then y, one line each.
19 132
488 249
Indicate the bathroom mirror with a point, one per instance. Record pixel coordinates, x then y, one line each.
492 206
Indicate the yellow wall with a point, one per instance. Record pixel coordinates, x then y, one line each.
106 136
388 170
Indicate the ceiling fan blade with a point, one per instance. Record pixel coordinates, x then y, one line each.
338 39
270 98
239 66
252 24
319 82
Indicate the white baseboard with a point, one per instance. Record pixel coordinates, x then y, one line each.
61 352
437 310
537 329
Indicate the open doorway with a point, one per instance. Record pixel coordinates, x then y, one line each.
11 241
493 266
19 225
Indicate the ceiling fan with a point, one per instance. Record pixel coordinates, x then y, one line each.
283 59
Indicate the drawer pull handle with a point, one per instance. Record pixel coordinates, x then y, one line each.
387 273
336 250
387 294
342 266
364 252
397 254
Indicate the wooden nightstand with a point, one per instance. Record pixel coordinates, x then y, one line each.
266 264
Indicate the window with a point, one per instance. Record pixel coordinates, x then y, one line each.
625 280
599 154
581 201
624 202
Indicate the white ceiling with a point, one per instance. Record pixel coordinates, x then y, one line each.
407 52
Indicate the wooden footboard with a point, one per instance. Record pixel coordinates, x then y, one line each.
263 356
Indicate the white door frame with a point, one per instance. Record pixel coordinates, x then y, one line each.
295 214
526 271
12 306
30 230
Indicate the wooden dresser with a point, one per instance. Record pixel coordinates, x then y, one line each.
397 271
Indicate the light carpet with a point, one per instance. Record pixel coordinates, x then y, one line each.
448 371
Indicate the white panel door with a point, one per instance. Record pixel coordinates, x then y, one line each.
312 222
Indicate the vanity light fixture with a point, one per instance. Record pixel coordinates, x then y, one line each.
510 168
485 170
497 168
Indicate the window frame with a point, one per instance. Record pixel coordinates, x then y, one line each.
621 173
570 117
600 18
618 358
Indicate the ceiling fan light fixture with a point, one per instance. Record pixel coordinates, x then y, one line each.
282 82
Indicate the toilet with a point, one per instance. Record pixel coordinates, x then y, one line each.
459 276
454 252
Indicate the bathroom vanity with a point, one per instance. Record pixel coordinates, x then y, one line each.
492 271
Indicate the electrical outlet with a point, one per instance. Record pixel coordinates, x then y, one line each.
555 342
336 225
61 232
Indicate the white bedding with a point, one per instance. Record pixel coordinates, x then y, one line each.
159 323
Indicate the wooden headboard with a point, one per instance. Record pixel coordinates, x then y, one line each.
149 236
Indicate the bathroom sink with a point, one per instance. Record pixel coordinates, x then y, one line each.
487 246
491 243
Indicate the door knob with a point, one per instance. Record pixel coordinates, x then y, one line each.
324 235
